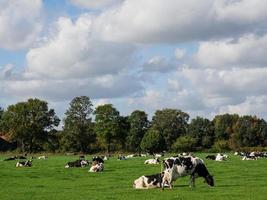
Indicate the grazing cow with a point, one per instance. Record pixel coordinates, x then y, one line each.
183 166
211 157
152 161
96 167
27 163
147 182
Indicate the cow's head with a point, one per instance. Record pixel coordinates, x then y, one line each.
209 180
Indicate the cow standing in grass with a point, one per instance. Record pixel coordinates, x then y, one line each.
176 167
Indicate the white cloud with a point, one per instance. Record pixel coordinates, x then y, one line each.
154 99
94 4
253 105
222 87
247 51
71 52
70 62
161 21
20 23
59 90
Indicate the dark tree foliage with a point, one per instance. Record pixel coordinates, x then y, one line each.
29 123
203 131
223 125
249 131
185 143
107 125
78 134
153 141
171 124
138 127
124 127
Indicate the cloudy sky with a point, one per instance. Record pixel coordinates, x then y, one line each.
204 57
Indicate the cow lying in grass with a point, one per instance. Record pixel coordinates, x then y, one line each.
96 167
152 161
42 157
27 163
183 166
77 163
149 181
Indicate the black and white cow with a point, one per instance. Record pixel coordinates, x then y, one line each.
27 163
152 161
98 159
96 167
249 158
183 166
150 181
211 157
77 163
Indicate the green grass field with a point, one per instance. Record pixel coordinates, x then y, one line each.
48 179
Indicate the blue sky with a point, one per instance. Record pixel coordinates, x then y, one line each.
205 58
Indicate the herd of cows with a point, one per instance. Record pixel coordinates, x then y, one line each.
172 168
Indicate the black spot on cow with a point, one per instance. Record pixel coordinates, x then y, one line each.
169 163
155 179
186 161
98 159
211 157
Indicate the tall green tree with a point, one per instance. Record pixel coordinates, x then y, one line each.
249 131
152 141
124 127
223 125
107 125
138 127
29 123
78 131
171 123
203 131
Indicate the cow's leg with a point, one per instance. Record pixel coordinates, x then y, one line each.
192 180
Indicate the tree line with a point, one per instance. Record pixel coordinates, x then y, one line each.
31 126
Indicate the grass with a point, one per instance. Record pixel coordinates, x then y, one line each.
48 179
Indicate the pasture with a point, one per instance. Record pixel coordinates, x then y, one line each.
49 180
